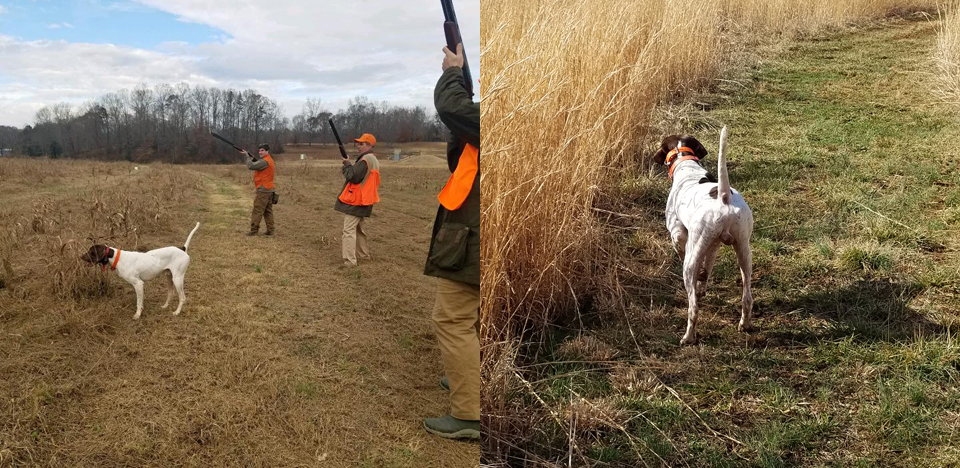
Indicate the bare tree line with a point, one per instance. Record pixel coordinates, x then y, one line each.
173 124
388 123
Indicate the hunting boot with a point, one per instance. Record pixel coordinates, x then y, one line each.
450 427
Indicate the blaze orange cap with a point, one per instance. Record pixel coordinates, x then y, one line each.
367 138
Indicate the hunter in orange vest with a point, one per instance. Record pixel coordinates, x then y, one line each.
454 256
266 190
360 192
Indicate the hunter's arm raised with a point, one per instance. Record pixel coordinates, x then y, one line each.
455 107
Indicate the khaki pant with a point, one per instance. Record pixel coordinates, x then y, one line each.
262 208
456 318
354 239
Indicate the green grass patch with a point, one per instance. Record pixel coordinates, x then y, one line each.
837 146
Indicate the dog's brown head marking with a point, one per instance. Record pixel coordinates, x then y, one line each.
671 142
96 254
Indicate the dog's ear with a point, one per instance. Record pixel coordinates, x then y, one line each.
698 150
102 251
668 144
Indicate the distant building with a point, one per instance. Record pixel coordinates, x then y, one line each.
5 151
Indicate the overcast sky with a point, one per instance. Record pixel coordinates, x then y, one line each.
288 50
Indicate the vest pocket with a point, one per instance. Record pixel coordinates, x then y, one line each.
450 246
351 194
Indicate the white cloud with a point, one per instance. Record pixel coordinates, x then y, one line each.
60 25
286 49
40 73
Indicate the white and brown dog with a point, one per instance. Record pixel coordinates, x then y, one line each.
137 267
701 214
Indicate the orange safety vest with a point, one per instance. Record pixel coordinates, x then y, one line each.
365 193
264 177
458 186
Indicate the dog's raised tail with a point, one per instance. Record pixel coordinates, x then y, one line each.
186 245
723 189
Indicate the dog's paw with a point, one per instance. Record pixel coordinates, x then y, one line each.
688 340
744 327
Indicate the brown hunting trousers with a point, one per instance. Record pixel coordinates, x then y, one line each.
354 239
262 208
456 318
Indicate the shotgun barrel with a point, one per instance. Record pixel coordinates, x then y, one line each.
451 29
343 152
254 156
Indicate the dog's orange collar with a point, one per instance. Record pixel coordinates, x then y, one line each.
116 258
681 151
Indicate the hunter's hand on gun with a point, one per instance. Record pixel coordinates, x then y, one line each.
451 59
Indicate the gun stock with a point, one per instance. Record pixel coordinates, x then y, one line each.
254 156
343 152
451 29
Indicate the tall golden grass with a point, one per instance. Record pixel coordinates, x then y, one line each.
793 17
947 55
569 90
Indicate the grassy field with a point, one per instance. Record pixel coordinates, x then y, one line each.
280 356
844 154
570 88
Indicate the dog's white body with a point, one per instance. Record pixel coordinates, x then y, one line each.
701 216
137 267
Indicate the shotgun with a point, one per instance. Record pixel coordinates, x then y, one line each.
254 156
343 152
451 29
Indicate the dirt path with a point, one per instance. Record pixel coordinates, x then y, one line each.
346 357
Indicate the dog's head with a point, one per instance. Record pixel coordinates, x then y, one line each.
671 142
96 254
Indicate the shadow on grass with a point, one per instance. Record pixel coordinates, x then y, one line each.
873 310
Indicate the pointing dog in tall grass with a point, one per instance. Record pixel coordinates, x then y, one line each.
701 214
137 267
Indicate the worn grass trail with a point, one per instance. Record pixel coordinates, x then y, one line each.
280 357
846 159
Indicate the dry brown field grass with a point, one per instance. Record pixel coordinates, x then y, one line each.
279 358
947 56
